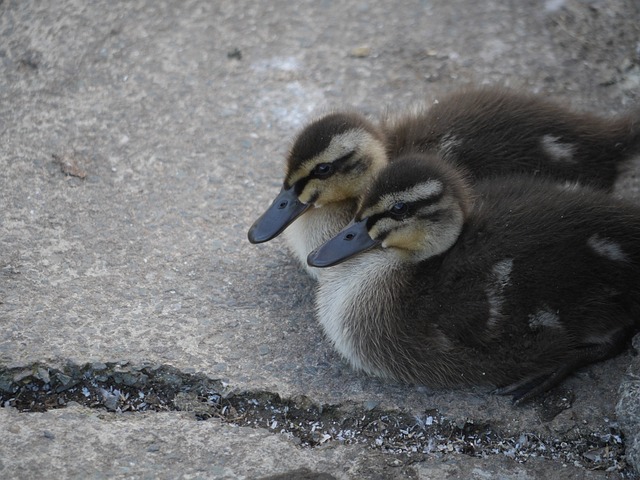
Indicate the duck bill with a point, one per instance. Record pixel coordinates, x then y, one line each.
349 242
285 209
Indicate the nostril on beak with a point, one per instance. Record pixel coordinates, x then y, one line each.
282 205
349 236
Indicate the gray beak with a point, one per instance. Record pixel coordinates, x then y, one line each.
285 209
353 239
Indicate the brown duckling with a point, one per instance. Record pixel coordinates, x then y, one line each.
487 131
514 283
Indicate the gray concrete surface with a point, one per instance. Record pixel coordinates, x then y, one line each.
138 142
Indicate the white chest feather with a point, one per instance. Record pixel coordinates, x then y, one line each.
316 226
353 304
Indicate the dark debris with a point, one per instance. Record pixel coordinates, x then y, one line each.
234 54
121 388
70 164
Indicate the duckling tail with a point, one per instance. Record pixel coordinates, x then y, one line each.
627 127
608 146
635 128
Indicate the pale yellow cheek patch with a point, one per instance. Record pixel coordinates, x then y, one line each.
334 189
331 195
381 226
307 194
405 239
374 232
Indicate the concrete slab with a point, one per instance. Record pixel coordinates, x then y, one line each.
140 140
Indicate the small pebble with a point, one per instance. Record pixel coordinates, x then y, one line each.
109 400
220 367
360 52
63 379
370 405
43 374
22 375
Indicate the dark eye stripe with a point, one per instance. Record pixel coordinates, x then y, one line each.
373 219
300 184
322 171
420 204
314 198
357 166
382 236
299 187
435 215
337 164
342 164
411 208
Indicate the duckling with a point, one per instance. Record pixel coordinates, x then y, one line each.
487 131
514 283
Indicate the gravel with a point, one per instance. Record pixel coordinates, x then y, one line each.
121 388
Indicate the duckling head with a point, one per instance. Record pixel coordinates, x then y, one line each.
415 209
332 160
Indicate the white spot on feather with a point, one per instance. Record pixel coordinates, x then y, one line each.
544 318
558 151
601 338
607 248
500 277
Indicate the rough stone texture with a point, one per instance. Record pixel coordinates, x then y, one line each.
139 140
628 408
82 443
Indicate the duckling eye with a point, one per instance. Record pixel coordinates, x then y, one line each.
322 170
399 210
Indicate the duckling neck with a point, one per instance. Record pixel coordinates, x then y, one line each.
381 314
357 302
316 226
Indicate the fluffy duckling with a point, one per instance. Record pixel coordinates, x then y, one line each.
488 131
515 283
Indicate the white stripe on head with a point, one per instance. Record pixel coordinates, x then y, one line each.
421 191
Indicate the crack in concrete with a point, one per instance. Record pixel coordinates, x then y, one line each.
121 387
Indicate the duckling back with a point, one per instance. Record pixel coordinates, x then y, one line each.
573 246
495 131
558 272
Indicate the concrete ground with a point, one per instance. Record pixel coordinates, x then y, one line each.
142 336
